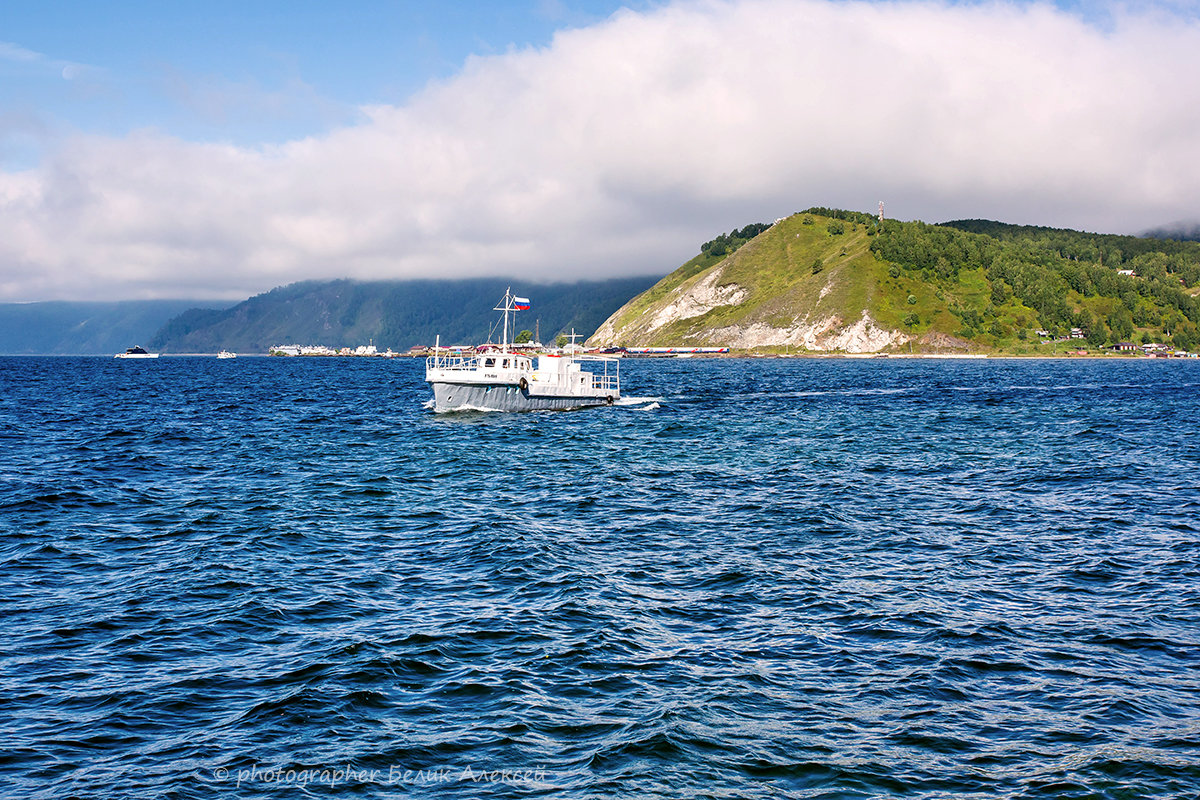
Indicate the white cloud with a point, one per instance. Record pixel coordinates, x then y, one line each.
14 52
622 146
17 54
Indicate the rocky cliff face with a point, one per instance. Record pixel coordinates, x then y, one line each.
690 300
702 297
830 334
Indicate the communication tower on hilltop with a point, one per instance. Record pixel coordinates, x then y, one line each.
880 212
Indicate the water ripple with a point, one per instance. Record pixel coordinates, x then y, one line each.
792 578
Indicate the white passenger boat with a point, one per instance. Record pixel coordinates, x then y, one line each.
226 354
136 352
505 380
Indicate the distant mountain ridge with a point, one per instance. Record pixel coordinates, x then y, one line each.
392 314
1180 231
84 328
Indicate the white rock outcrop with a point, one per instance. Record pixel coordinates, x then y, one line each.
606 334
702 297
827 334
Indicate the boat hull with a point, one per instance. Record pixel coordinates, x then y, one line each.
506 397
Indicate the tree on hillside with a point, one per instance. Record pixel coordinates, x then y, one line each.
523 337
1001 293
729 242
1185 338
1120 322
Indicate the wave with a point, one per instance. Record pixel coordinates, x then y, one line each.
765 586
637 401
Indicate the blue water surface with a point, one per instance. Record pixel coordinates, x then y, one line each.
810 578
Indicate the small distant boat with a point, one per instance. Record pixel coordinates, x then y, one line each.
507 380
136 352
226 354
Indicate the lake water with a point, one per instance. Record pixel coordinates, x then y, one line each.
754 578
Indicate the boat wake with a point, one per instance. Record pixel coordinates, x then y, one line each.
645 403
462 408
431 405
637 403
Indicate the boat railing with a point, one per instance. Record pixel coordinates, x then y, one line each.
606 383
607 380
450 361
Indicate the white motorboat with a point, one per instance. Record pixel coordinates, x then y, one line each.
501 379
136 352
226 354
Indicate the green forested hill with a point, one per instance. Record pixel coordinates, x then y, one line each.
827 279
1053 279
1101 248
395 314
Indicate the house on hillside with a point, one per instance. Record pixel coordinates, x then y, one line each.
1125 347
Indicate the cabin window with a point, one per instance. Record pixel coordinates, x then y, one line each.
489 362
506 363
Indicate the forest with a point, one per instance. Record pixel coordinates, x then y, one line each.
1113 288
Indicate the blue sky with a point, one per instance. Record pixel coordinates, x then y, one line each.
219 149
245 72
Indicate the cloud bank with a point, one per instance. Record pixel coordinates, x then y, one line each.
620 147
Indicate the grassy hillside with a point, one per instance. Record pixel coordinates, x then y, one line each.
809 266
970 285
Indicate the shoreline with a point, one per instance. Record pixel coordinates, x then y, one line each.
706 356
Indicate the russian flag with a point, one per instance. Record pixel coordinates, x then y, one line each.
520 303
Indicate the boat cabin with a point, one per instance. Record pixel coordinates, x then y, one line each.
505 361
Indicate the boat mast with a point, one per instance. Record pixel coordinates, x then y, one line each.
507 307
